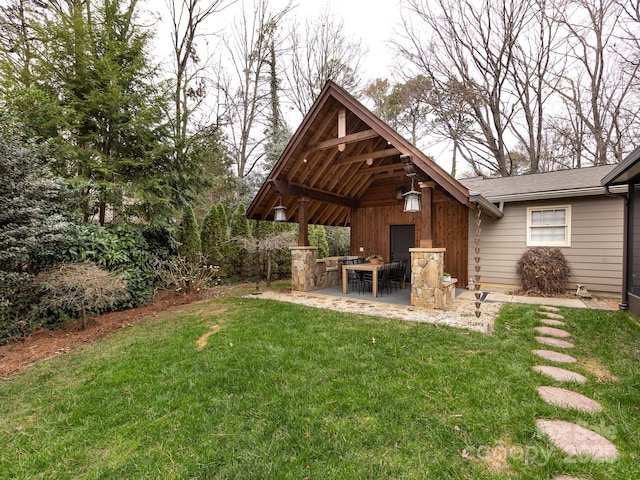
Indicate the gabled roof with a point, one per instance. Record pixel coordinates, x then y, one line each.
538 186
625 171
334 172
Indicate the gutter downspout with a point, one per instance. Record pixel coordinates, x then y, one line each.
624 304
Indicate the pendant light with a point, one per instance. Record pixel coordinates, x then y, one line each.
412 199
280 214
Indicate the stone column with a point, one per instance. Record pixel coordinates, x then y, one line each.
303 269
426 277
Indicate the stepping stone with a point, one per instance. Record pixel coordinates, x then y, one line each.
562 397
554 342
549 308
553 323
552 332
568 477
573 439
560 374
555 356
555 316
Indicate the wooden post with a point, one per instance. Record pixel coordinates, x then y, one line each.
303 222
426 214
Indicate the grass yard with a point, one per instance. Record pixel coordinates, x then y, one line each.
281 391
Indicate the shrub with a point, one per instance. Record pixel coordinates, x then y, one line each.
33 225
121 248
214 236
543 270
189 237
186 277
78 289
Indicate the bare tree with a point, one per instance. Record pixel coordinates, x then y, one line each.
486 59
599 83
265 248
16 40
321 51
188 20
245 88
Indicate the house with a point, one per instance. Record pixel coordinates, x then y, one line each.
346 167
627 174
567 209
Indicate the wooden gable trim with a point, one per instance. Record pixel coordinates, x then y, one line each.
286 188
427 166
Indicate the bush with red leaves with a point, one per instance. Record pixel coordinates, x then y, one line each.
543 270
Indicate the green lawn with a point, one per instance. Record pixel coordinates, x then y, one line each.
284 391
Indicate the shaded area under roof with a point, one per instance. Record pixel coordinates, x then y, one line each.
625 171
339 152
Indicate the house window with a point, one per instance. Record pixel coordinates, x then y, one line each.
549 226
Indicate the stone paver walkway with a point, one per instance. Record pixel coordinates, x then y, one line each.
570 438
555 356
554 342
560 374
553 332
553 323
562 397
576 440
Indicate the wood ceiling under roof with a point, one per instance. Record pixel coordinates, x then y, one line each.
339 151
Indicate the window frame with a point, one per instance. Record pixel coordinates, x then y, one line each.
549 243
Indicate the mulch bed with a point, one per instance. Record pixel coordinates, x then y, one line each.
48 343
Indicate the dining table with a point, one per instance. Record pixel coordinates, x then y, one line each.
363 267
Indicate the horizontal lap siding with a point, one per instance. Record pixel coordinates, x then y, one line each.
595 255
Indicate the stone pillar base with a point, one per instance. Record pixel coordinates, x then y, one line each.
303 269
427 289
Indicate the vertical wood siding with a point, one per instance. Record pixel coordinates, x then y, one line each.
370 227
595 254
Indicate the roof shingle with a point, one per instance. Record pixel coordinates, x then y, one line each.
546 184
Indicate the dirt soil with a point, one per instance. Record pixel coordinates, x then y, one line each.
48 343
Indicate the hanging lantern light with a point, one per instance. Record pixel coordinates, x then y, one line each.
280 214
412 199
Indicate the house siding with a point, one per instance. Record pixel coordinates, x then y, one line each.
595 254
371 224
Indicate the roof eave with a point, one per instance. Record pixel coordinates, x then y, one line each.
576 192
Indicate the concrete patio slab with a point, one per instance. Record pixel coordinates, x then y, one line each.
555 356
565 398
573 439
552 332
554 342
560 374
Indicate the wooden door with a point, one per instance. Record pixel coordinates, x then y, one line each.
401 239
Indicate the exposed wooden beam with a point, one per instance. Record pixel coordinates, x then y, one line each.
387 152
382 168
295 190
351 138
342 127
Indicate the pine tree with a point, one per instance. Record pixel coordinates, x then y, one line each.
241 259
207 237
189 236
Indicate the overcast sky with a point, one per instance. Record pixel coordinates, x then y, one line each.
372 21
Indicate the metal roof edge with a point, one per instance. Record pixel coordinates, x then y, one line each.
485 205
